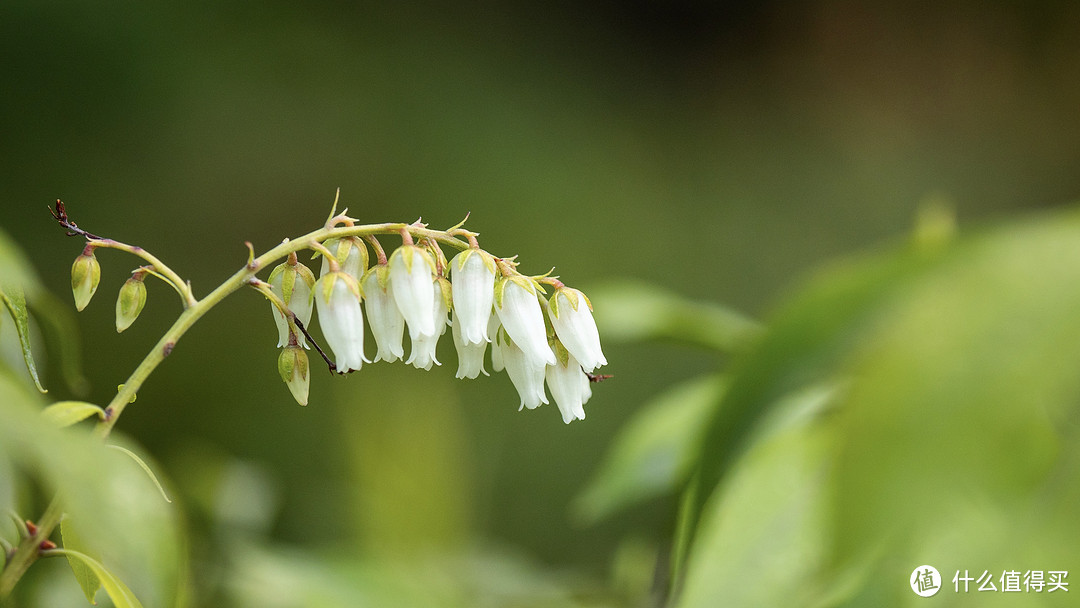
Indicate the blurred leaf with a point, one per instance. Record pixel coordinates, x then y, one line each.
98 485
15 301
67 413
801 348
118 592
653 453
15 268
763 534
965 407
57 323
84 574
632 311
145 467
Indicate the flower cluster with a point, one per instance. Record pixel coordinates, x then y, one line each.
483 299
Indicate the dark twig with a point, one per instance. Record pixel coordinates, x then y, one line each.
300 326
60 215
598 377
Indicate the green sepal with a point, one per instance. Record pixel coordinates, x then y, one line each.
288 283
382 275
67 413
500 286
408 259
464 257
293 367
561 354
352 283
305 274
447 293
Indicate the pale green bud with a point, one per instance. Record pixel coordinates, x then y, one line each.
85 276
130 302
293 367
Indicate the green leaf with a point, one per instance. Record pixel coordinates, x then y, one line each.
61 333
633 311
84 574
653 453
801 348
763 535
15 301
966 404
67 413
118 592
145 467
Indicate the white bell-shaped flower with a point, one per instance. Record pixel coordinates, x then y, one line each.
422 354
470 355
384 318
351 255
569 387
519 312
527 374
292 282
411 270
571 317
337 298
473 274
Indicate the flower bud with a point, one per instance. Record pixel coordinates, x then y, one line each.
293 367
130 302
292 282
85 276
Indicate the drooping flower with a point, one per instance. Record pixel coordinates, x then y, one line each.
470 355
527 374
411 271
384 318
569 385
351 255
293 367
130 301
292 282
571 317
519 312
337 297
85 276
473 274
422 354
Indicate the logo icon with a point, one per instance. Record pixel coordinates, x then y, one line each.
925 581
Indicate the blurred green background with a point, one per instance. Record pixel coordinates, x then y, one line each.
719 150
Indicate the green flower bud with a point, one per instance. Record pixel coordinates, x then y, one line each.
130 302
85 276
293 367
